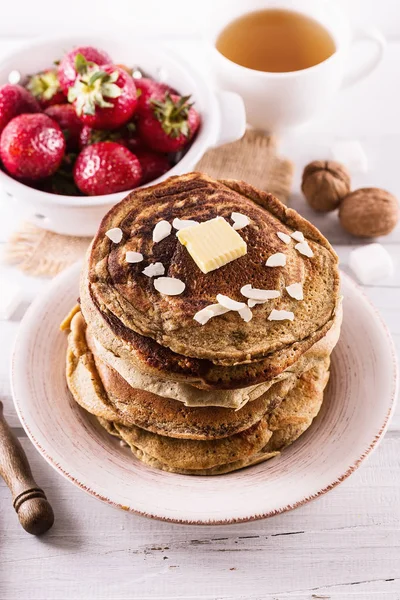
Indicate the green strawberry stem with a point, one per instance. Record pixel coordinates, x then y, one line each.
173 114
44 85
91 89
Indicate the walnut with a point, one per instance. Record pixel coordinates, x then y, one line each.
369 212
325 183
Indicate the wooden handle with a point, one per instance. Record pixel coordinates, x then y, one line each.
29 500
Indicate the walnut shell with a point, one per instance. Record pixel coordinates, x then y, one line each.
369 212
325 183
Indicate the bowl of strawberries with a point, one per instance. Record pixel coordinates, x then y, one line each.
83 121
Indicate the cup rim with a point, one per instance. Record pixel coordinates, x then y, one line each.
278 74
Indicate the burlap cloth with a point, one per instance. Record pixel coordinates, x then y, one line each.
253 159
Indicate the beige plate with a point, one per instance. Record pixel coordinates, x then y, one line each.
359 402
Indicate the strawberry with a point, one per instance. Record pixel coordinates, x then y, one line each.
153 165
92 136
78 60
126 136
15 100
69 122
104 98
106 168
168 125
32 146
45 87
149 88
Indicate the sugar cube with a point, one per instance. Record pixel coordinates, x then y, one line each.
10 299
371 263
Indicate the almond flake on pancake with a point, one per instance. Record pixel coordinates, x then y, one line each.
239 220
161 231
305 249
114 234
281 315
179 224
228 303
295 290
256 294
276 260
251 303
133 257
205 314
298 236
154 270
246 314
284 237
169 286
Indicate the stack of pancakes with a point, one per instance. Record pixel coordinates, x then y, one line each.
191 398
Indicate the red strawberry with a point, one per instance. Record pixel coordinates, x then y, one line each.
106 168
148 89
46 88
92 136
153 165
168 125
126 136
76 62
69 122
104 98
32 146
15 100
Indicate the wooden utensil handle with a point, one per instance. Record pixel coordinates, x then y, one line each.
29 500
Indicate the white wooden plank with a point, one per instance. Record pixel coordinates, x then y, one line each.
347 537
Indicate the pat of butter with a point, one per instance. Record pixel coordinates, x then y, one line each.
212 244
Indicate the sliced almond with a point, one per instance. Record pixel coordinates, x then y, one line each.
179 224
228 303
205 314
281 315
276 260
283 236
305 249
154 270
246 314
169 286
298 236
256 294
161 231
239 220
114 234
251 303
295 290
133 257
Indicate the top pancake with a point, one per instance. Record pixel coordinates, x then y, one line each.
128 297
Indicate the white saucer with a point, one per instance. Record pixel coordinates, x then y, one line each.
359 401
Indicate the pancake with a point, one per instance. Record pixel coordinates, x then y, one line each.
130 317
125 376
190 457
193 396
132 351
100 390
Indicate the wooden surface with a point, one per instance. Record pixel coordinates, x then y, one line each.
343 546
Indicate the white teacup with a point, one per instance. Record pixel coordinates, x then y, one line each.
280 101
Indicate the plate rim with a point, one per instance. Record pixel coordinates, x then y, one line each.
58 468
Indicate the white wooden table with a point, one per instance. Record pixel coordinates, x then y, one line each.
345 545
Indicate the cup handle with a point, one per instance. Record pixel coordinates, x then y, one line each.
232 117
362 35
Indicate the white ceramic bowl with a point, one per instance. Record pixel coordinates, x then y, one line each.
222 113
